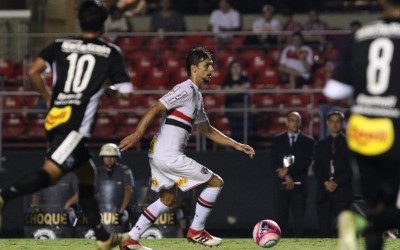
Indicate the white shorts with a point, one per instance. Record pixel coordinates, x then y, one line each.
183 172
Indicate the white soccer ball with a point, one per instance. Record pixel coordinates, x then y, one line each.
266 233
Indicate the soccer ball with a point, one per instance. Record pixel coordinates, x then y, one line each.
266 233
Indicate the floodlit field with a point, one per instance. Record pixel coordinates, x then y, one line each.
177 244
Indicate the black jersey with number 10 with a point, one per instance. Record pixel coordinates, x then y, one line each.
81 68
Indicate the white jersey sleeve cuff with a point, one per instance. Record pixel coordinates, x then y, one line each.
337 90
125 87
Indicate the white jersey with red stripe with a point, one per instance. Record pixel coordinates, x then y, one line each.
185 108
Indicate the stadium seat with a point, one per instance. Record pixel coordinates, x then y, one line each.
6 69
218 77
179 76
13 102
155 44
35 126
213 102
274 55
126 124
144 64
171 64
136 76
104 126
266 100
129 44
222 124
156 79
257 65
13 125
269 77
296 100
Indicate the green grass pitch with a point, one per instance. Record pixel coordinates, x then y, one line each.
182 244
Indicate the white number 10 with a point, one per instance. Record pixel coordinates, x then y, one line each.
378 72
75 81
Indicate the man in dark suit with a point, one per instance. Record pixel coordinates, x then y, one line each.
291 156
333 172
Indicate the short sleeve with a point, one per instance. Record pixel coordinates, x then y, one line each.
118 72
177 97
48 53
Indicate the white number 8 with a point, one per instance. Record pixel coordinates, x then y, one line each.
378 72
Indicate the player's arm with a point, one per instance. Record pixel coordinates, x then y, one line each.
217 136
35 76
142 126
338 93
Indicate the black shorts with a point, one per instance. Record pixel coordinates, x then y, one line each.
68 151
380 178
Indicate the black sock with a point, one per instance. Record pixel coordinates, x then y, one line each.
91 209
30 184
386 220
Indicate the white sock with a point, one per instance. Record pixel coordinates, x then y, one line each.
204 205
148 217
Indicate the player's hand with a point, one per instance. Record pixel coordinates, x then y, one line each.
282 172
128 141
111 92
289 182
246 149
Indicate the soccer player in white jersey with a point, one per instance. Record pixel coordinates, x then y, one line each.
170 168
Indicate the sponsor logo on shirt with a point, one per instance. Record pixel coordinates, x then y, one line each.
204 170
57 116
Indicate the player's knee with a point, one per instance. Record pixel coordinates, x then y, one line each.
216 181
168 201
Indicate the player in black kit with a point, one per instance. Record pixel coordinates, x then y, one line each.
370 74
82 66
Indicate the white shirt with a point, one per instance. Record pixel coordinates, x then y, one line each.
229 20
290 59
185 107
262 25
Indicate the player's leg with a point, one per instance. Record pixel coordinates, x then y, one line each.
48 175
204 206
89 205
149 216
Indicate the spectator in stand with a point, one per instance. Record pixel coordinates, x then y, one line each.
265 24
118 20
289 24
167 20
236 80
334 192
223 20
323 74
354 26
314 24
296 62
291 153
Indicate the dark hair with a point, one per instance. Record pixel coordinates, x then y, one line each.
336 112
298 33
92 15
195 56
355 23
228 76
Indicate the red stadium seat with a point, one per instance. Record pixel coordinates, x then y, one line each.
274 55
222 124
104 126
266 101
136 76
296 100
129 44
35 126
156 79
257 65
179 76
13 125
6 69
13 102
269 77
127 122
144 64
171 64
155 44
218 77
213 101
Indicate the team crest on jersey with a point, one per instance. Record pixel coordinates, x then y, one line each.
204 170
154 182
181 181
57 116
